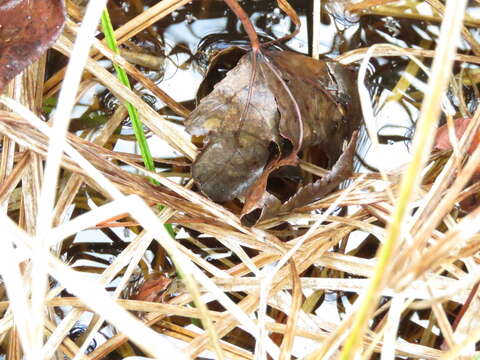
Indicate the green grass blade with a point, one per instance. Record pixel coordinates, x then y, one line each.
132 111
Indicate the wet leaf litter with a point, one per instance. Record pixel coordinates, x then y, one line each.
27 29
329 263
270 107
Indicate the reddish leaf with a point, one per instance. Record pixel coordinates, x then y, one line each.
27 29
442 142
153 289
442 139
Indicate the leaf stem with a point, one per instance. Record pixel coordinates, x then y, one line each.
247 24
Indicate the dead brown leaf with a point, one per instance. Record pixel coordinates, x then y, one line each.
256 120
234 156
27 29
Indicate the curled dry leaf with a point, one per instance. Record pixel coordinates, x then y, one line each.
27 29
253 128
315 191
323 92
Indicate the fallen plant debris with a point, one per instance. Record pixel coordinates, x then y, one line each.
442 139
443 142
28 28
288 286
267 109
153 289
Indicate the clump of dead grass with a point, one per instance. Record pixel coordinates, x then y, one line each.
427 259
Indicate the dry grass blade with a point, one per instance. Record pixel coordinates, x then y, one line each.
146 219
135 73
47 196
11 182
365 4
423 143
130 29
287 343
390 50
